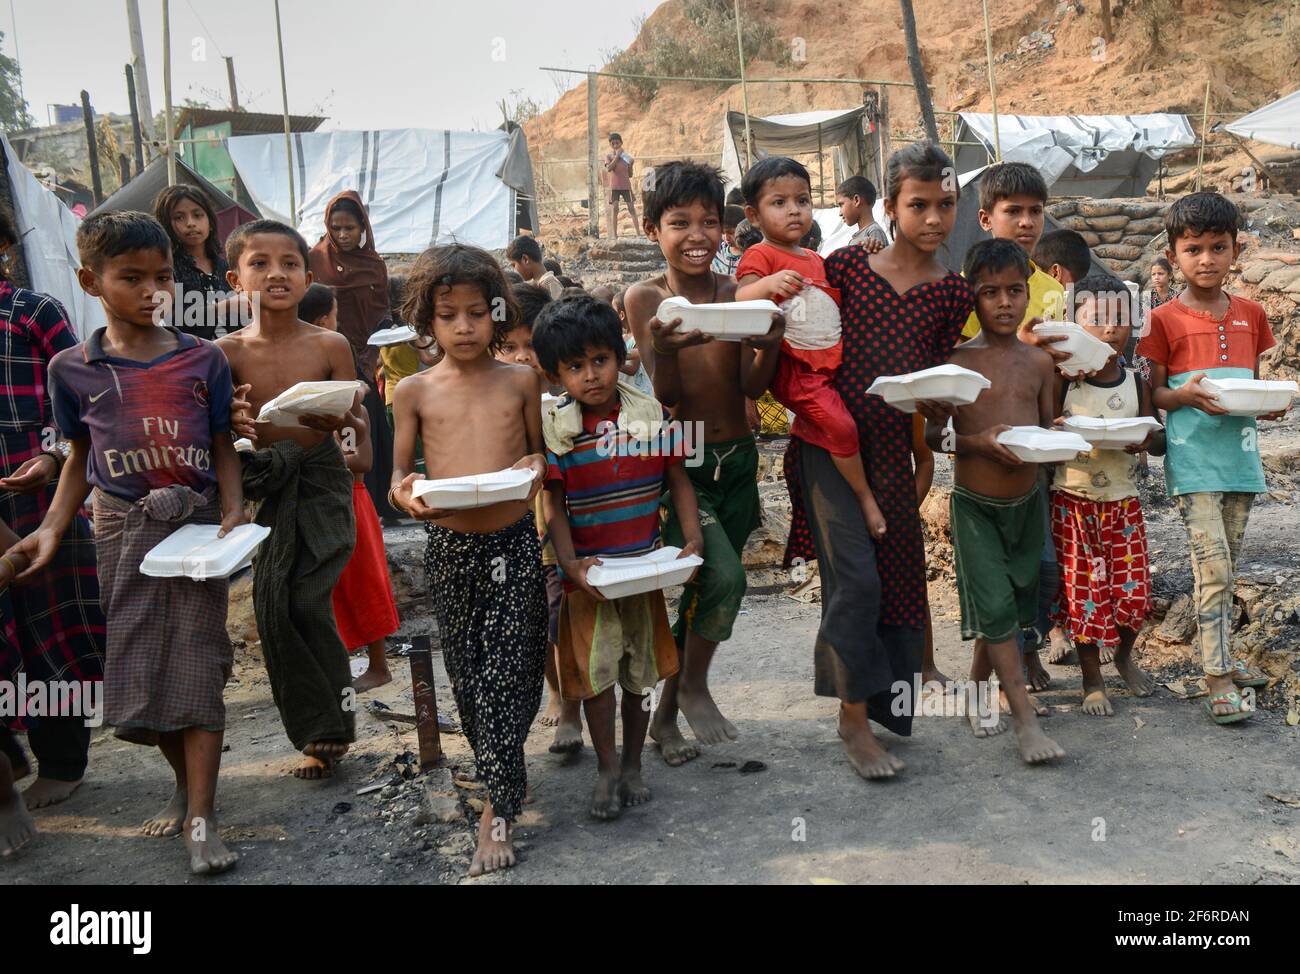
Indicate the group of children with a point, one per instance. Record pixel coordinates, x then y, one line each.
644 440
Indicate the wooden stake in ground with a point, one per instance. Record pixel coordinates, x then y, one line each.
426 702
92 149
918 71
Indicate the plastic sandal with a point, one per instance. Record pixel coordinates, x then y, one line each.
1232 698
1248 676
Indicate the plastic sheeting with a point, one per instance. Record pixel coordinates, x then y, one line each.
1277 123
140 193
1079 155
797 134
421 186
49 239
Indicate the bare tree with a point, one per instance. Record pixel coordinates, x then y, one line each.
918 71
1107 34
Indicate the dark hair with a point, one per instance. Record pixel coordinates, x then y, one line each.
678 183
1067 248
524 246
552 265
531 298
316 303
238 240
747 235
994 255
923 161
735 198
166 201
512 275
766 170
1004 179
8 226
1100 286
1198 213
602 288
445 267
396 291
1162 262
615 135
858 186
812 240
566 327
732 215
104 236
349 205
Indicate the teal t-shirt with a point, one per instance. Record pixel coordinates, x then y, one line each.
1211 453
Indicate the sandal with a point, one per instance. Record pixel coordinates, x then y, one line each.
1230 698
1248 676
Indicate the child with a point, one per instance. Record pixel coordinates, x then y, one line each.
525 256
1213 469
1097 526
147 411
608 461
16 825
396 362
632 366
729 252
997 508
363 598
1065 255
855 197
475 414
517 348
619 166
299 475
703 383
198 265
779 201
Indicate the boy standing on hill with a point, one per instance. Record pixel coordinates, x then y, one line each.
619 166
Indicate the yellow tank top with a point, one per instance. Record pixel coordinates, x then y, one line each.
1104 475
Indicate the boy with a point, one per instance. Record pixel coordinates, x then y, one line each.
609 458
729 252
475 414
619 166
703 383
997 508
1065 255
1213 468
299 475
525 256
855 198
147 411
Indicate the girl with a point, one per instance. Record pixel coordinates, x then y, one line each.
779 201
902 311
363 598
198 265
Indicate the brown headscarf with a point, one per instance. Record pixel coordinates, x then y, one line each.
360 281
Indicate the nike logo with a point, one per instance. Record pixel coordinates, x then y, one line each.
100 396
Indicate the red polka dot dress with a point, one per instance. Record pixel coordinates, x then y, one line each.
885 333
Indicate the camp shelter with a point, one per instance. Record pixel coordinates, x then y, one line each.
140 193
841 131
1099 156
1277 123
420 186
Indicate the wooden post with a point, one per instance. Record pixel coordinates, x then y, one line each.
1205 124
821 174
884 132
593 158
426 702
123 169
919 79
744 90
135 121
138 69
167 89
92 149
230 78
288 138
993 84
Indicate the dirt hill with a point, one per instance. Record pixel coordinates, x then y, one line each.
1050 60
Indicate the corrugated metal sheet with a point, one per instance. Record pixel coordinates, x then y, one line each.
244 123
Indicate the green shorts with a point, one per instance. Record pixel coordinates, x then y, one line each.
997 543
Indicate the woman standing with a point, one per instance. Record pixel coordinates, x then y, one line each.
53 628
198 265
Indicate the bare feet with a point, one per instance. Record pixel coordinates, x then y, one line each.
988 725
21 771
313 769
1096 703
702 714
1035 746
48 791
16 825
208 854
631 789
1107 654
673 747
1062 652
1040 708
867 755
932 674
1036 678
372 678
1138 680
568 732
168 822
605 803
551 716
495 849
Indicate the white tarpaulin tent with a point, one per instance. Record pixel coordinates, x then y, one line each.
1079 155
1277 123
49 240
798 134
421 186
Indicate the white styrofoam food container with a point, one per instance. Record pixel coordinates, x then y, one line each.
332 398
618 578
194 551
1033 444
1251 397
474 490
244 445
1087 352
1111 434
944 383
729 322
392 336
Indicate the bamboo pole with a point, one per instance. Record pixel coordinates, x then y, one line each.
744 89
1205 124
167 89
288 137
733 81
92 149
136 139
993 84
593 158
